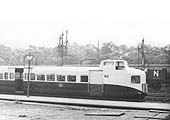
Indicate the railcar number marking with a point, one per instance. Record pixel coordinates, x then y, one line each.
106 76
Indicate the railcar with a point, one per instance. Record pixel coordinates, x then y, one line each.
113 79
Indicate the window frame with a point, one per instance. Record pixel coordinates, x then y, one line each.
26 76
118 66
108 63
11 76
71 78
135 79
33 77
63 76
5 75
41 76
1 76
84 76
52 77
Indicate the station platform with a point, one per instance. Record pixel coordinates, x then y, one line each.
88 102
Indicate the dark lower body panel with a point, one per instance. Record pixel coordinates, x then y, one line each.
77 90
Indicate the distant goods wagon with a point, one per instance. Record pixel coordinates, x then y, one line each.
157 79
113 79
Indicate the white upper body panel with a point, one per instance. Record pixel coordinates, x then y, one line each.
60 70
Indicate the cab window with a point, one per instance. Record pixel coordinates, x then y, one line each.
108 63
120 65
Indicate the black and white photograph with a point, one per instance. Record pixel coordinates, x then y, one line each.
84 60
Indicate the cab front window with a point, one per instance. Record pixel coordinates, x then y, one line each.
108 63
120 65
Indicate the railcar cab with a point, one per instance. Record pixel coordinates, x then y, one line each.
118 72
115 71
114 64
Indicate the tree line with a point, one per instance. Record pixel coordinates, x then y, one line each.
92 53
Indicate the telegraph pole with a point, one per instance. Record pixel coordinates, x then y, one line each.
138 56
62 49
143 54
29 58
66 41
98 53
62 46
141 47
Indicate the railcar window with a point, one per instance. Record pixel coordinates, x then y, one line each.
108 63
5 75
51 77
71 78
32 76
120 65
11 76
135 79
84 78
1 75
60 78
26 76
41 77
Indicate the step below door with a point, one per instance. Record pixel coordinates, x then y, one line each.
96 82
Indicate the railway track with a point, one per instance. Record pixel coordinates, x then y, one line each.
12 110
116 109
161 97
89 102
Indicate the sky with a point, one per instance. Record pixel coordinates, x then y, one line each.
40 22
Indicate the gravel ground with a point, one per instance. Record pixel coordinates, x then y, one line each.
14 110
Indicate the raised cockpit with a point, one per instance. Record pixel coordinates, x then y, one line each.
116 64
